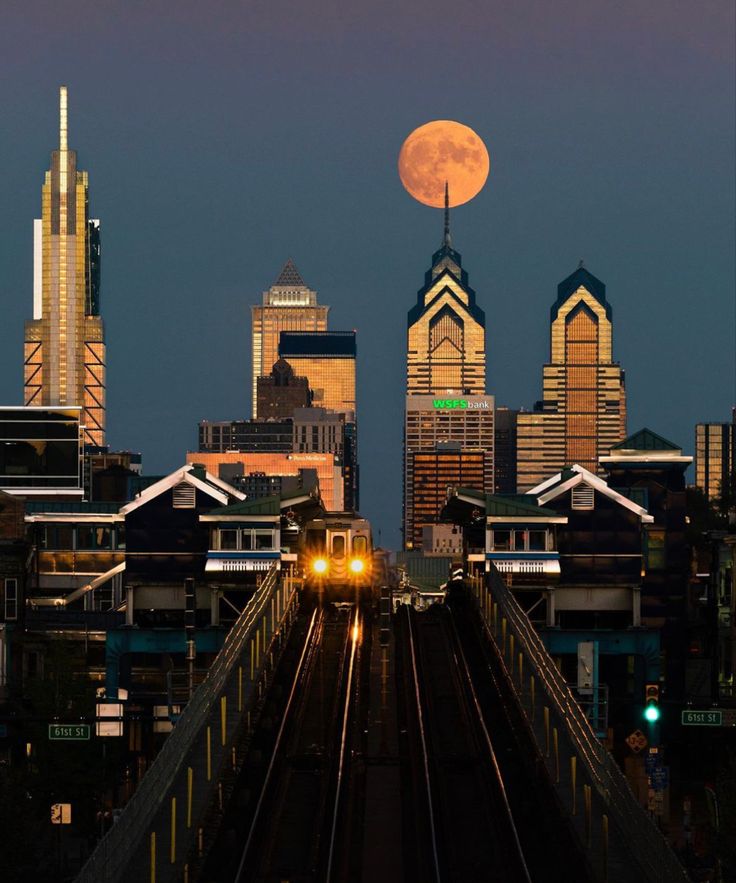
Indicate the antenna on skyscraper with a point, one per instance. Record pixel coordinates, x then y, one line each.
62 118
447 238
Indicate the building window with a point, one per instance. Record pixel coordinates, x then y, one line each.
583 496
264 539
228 540
537 540
502 540
184 496
11 599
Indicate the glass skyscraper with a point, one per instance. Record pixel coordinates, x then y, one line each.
64 359
288 305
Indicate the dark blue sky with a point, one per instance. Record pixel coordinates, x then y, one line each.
222 138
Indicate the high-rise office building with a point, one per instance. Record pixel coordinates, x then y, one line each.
288 305
271 436
327 360
279 393
446 401
715 456
446 337
583 412
430 474
64 360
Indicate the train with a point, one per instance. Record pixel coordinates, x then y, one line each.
336 556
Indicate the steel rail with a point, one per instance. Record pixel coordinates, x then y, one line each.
425 753
309 646
355 635
461 663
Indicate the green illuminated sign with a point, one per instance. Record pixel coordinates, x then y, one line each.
702 718
457 404
70 732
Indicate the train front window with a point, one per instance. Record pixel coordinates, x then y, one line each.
315 541
360 546
338 546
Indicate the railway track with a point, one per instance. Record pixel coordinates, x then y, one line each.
293 831
463 829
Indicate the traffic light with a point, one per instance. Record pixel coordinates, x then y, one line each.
651 703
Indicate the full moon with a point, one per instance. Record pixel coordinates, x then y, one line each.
440 151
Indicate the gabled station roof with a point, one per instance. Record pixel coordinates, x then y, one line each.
574 475
646 440
193 474
645 447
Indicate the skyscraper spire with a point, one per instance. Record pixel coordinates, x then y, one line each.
63 144
447 240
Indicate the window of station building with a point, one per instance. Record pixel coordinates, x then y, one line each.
56 537
228 539
91 537
501 540
537 540
520 540
11 598
264 539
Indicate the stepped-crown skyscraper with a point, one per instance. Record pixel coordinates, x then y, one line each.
583 411
446 341
65 340
448 429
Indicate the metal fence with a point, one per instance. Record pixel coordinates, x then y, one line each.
637 837
159 824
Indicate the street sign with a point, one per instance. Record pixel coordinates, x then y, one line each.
651 762
637 741
706 718
61 813
69 732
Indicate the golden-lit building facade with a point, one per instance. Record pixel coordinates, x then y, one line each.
583 411
288 305
326 465
64 358
436 429
327 360
445 385
715 456
431 473
446 347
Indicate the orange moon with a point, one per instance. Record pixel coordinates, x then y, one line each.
440 151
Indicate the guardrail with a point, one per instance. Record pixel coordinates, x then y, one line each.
552 711
159 825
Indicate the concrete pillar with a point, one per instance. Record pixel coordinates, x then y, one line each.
636 606
129 604
215 606
550 606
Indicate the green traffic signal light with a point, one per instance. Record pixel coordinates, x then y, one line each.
651 713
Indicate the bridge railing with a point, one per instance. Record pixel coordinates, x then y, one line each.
552 711
159 825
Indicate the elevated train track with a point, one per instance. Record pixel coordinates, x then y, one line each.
479 809
292 825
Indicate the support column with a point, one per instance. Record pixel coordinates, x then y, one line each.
550 607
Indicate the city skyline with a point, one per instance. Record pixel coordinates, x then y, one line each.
579 172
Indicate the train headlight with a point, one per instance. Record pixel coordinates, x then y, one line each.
357 565
319 565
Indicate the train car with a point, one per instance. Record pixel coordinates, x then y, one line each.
336 556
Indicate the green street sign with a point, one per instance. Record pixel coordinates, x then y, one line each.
69 732
702 718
